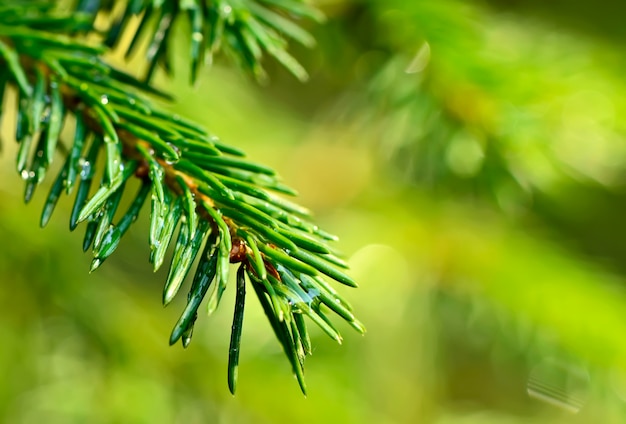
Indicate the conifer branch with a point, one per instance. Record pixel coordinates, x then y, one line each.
224 208
243 29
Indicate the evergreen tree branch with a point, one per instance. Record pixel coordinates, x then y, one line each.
225 208
244 30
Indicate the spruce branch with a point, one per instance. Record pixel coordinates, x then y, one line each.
207 201
243 29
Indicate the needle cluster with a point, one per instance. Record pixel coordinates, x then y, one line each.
209 204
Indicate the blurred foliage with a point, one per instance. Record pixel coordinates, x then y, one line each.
479 193
476 103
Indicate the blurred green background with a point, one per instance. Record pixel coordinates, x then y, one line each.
472 157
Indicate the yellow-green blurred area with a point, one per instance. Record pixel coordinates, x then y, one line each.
472 158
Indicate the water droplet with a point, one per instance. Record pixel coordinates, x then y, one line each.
24 174
227 10
95 264
175 148
104 99
560 384
85 170
39 153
